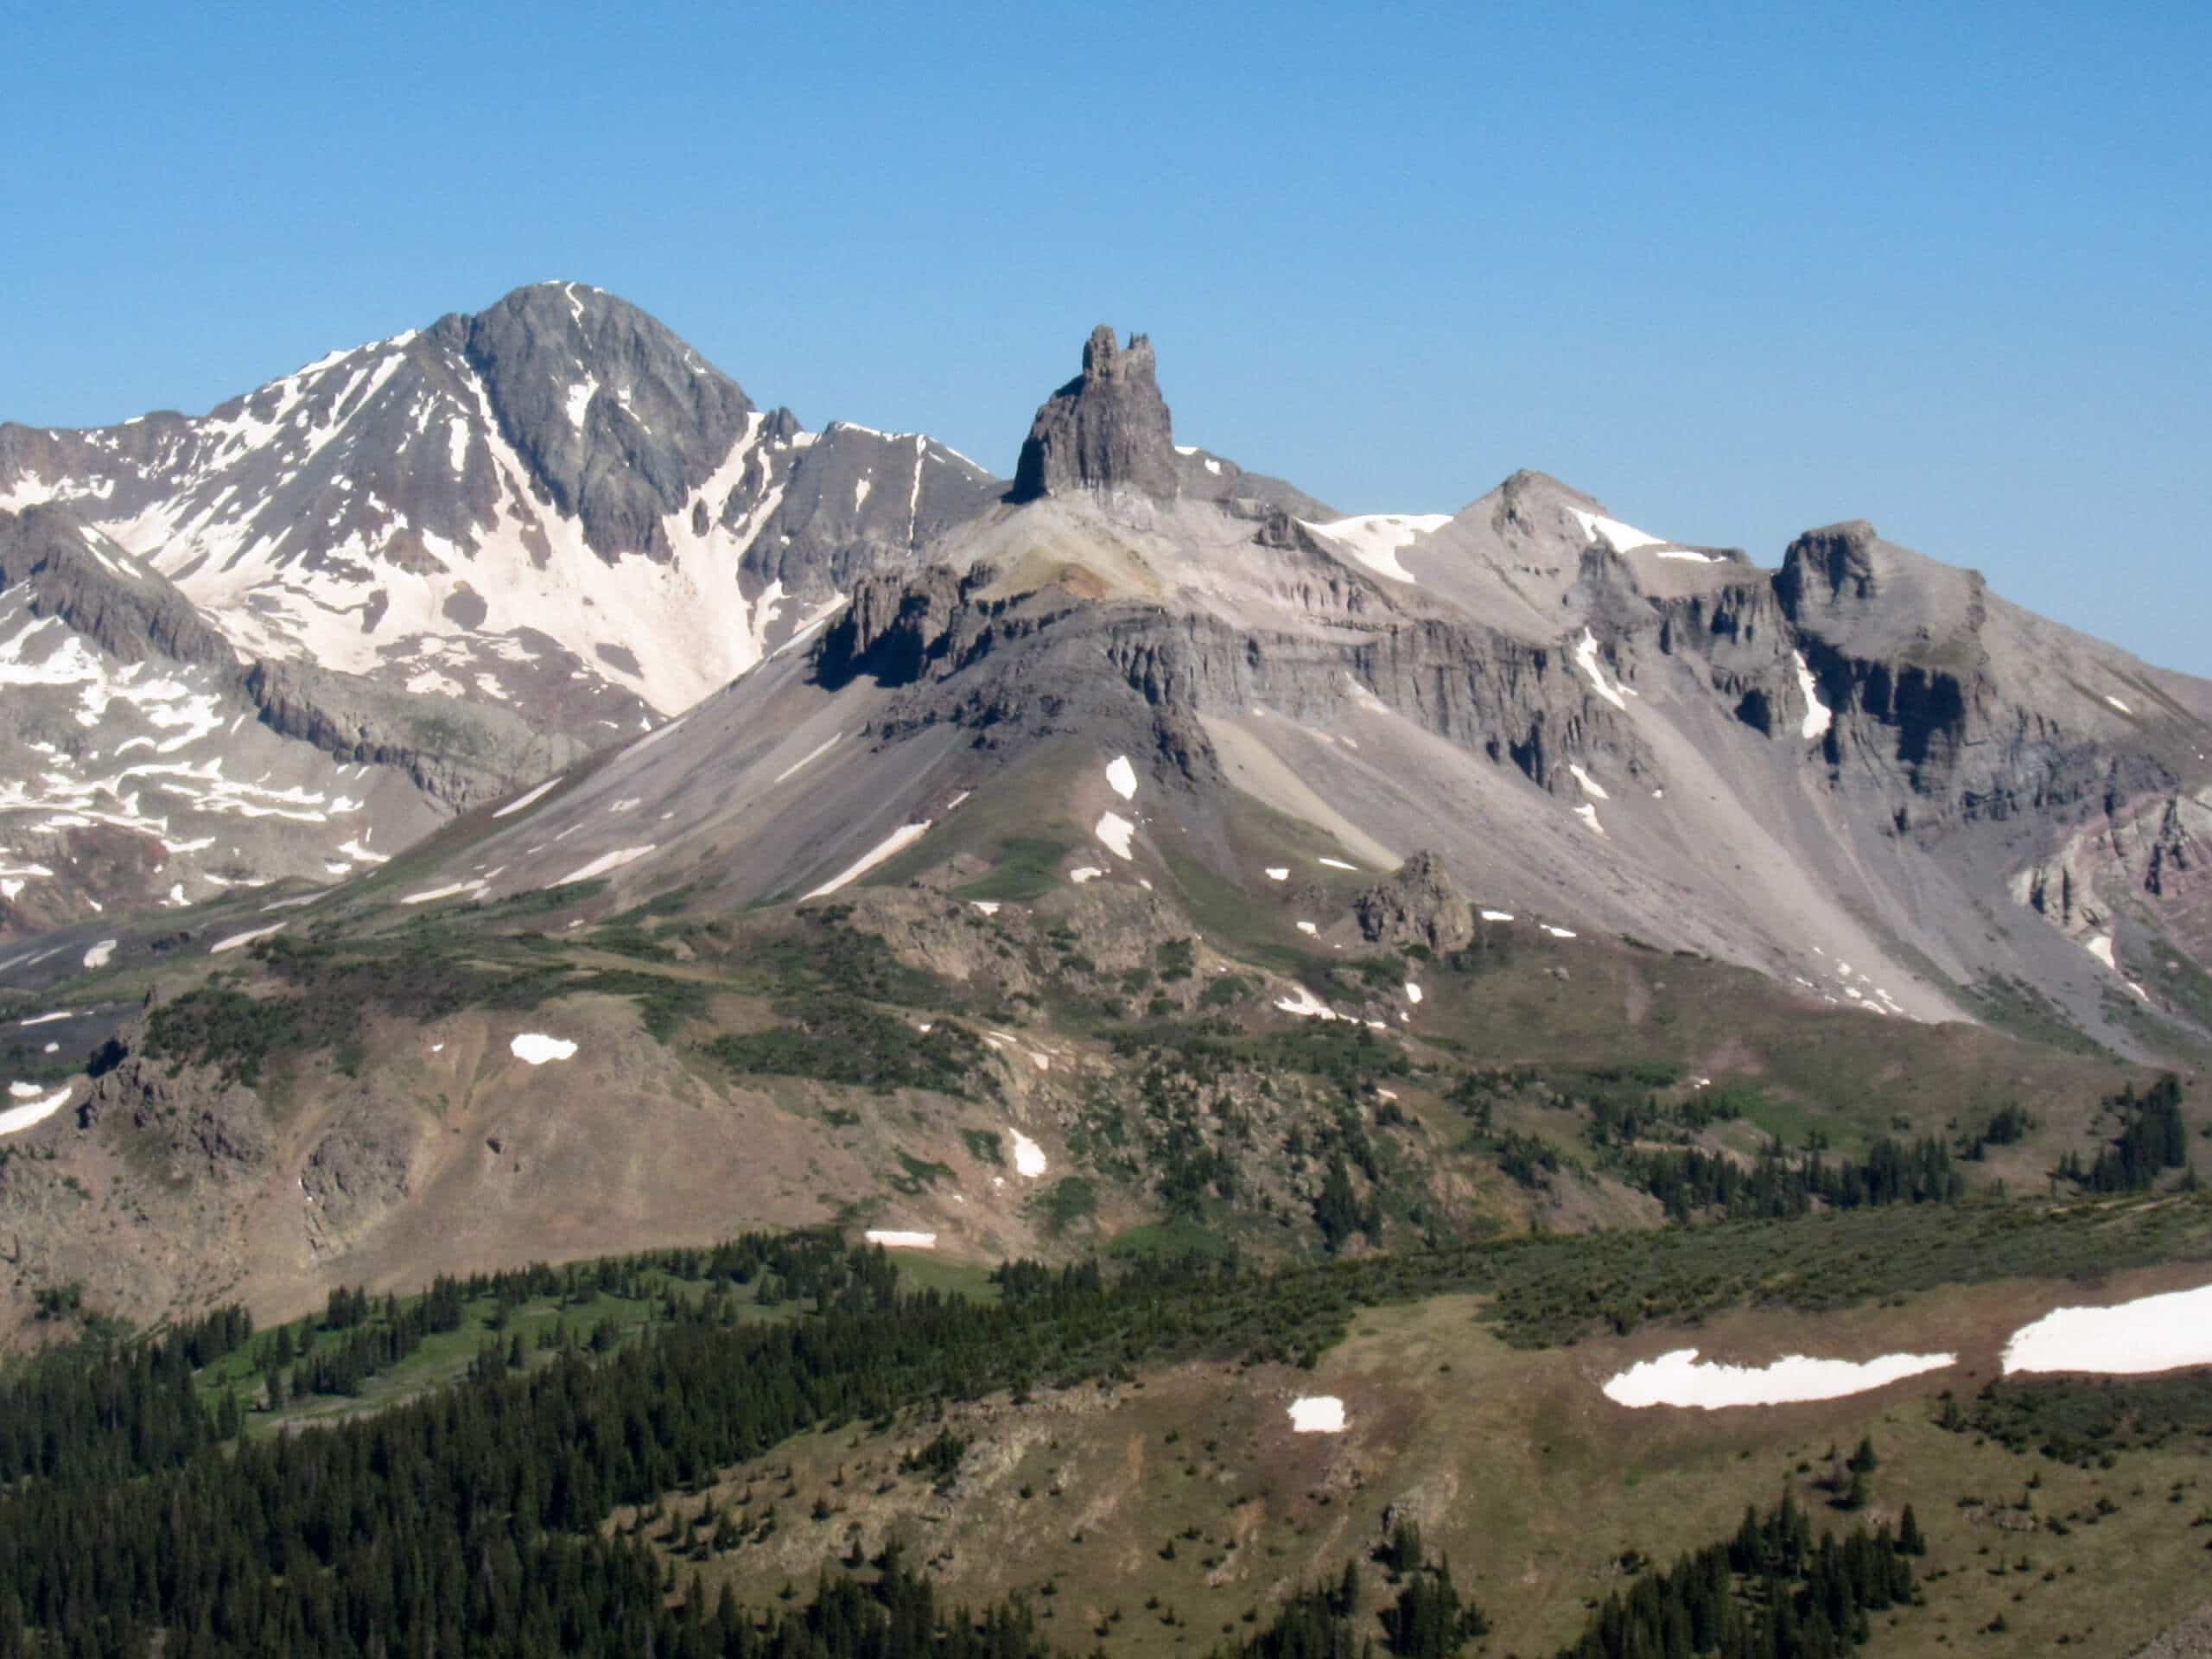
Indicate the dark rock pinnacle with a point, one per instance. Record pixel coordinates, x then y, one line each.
1106 429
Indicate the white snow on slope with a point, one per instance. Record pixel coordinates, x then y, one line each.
531 799
2151 1333
2118 704
1376 539
1308 927
603 864
47 1019
1277 873
1337 864
1588 814
535 1048
1818 715
890 846
1622 538
17 1118
1591 786
1586 658
1556 932
2101 948
1085 873
1317 1414
1028 1156
1676 1379
1412 993
431 895
579 400
893 1240
810 757
237 939
1497 915
1306 1005
101 953
524 558
1121 777
1114 830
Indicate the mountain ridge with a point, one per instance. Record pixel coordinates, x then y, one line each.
1826 728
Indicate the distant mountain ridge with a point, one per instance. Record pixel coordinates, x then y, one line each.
450 564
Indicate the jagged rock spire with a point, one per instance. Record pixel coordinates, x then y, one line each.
1106 429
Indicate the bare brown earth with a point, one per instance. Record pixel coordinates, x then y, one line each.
1184 1496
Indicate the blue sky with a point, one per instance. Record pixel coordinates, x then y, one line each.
1735 270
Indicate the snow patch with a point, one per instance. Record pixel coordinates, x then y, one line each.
431 895
1591 786
1676 1379
1622 538
1121 777
1308 927
1556 932
1586 658
605 862
2151 1333
1114 830
1306 1005
237 939
101 953
810 757
1497 915
2101 948
531 799
892 844
1588 814
535 1048
1818 715
1337 864
892 1240
579 400
1317 1414
1376 539
2118 704
1028 1156
1277 873
1412 993
988 907
37 1110
1085 873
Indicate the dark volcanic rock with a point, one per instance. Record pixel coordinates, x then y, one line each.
1106 429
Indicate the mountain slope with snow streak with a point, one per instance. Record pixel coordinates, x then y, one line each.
555 504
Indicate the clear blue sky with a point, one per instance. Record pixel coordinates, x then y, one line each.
1737 270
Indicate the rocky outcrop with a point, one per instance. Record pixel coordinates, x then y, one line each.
201 1126
125 607
1417 905
1107 429
902 628
462 753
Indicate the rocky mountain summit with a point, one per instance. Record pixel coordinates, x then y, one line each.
424 572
